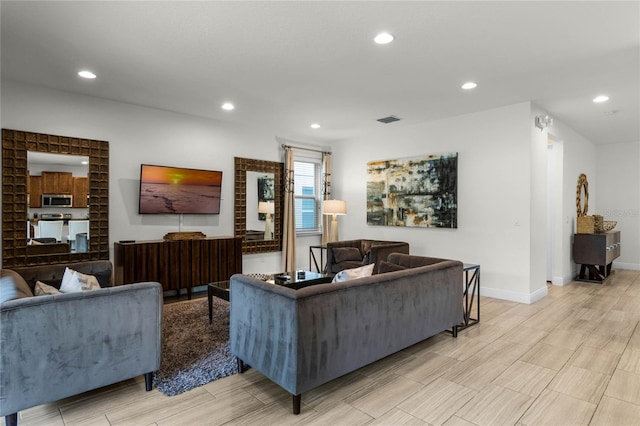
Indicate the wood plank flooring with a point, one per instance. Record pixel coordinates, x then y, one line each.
571 358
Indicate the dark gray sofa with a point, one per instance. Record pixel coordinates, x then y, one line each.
56 346
301 339
342 255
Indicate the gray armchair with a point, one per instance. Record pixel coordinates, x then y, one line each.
56 346
349 254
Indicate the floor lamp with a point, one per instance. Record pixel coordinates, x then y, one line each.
266 207
335 208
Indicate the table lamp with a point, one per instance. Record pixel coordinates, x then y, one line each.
266 207
335 208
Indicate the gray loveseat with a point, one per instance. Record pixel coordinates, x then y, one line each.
301 339
61 345
349 254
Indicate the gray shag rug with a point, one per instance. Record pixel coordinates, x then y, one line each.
194 352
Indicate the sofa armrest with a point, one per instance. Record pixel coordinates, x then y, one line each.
263 327
60 345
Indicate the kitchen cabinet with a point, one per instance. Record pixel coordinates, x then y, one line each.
34 189
57 182
80 191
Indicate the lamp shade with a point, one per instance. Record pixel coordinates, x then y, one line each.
334 207
265 207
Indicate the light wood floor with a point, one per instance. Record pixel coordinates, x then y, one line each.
571 358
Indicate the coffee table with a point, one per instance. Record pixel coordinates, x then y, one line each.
295 280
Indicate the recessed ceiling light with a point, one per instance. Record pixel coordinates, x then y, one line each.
384 38
469 85
228 106
87 74
601 98
315 126
84 162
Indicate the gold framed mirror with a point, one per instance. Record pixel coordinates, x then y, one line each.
582 195
248 175
15 182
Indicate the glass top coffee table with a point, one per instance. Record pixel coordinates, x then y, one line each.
295 280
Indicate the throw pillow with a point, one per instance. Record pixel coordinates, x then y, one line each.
350 274
389 267
73 281
42 289
13 286
341 254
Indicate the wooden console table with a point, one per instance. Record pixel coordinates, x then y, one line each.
180 264
595 253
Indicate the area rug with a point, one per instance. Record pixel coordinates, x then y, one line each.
194 352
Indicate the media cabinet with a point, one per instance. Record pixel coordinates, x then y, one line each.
180 264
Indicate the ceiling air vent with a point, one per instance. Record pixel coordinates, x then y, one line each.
389 119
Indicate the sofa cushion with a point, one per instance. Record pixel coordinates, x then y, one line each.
13 286
73 281
389 267
350 274
43 289
342 254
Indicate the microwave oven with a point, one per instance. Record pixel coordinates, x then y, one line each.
55 200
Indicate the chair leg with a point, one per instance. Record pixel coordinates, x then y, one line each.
148 381
454 332
11 419
296 403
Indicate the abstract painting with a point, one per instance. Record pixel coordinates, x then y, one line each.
413 192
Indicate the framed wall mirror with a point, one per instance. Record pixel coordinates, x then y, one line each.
25 196
258 204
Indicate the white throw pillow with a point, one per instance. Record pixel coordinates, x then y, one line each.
73 281
42 289
350 274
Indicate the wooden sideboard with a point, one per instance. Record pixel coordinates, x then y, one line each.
178 265
595 253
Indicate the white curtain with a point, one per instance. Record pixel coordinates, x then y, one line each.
326 195
289 216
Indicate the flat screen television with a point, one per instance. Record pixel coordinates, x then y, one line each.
177 190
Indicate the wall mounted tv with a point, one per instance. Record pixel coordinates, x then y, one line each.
177 190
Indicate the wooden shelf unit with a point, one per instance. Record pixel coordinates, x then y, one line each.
180 264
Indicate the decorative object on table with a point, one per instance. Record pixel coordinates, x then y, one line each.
585 223
266 208
334 208
194 352
413 192
594 224
598 222
188 235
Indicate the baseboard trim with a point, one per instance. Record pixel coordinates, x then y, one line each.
514 296
562 281
628 266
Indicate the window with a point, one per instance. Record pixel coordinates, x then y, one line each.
307 195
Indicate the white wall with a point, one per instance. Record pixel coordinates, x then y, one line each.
494 194
619 197
578 155
143 135
501 194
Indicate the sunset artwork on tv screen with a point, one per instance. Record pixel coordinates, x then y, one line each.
179 190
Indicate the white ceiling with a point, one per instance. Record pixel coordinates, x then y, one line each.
286 65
